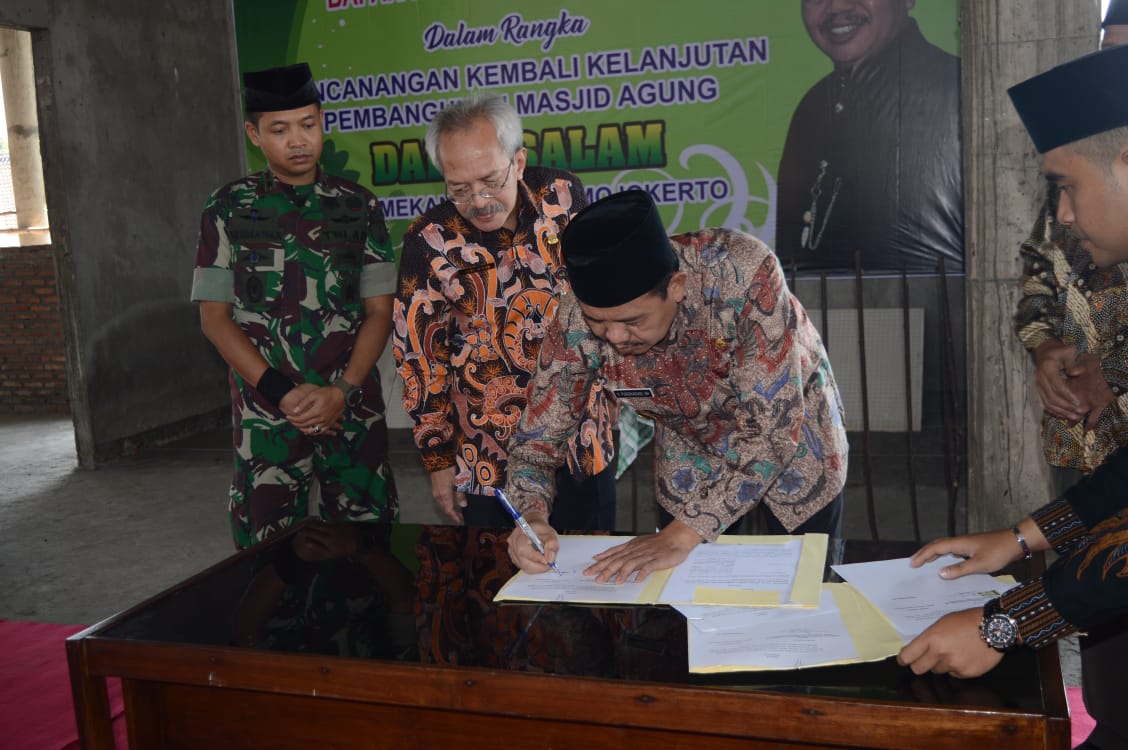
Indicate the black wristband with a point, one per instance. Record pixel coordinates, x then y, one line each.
274 386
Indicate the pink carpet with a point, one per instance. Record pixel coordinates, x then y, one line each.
1080 723
36 712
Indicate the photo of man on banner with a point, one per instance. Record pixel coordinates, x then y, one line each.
872 158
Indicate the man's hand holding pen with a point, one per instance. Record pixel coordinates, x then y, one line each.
522 552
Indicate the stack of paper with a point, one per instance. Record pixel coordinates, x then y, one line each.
758 603
745 571
844 629
914 598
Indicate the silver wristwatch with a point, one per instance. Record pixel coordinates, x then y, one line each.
998 629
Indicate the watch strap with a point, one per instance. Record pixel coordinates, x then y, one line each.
353 393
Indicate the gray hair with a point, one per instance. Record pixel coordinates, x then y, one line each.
1103 148
460 115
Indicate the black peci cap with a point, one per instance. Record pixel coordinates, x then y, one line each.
1074 100
616 250
280 89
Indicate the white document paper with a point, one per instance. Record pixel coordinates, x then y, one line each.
752 567
914 598
570 584
844 629
744 571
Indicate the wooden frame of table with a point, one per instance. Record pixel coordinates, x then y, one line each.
193 696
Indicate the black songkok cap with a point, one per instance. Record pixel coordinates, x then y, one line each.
1075 100
280 89
616 249
1117 14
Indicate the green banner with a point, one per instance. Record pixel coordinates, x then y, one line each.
689 100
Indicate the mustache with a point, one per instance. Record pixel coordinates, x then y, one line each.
487 210
846 17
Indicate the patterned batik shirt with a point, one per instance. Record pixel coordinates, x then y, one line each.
1088 583
469 317
1066 297
742 393
297 263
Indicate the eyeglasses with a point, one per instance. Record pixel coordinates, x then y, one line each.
465 196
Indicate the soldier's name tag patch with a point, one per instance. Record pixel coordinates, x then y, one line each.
254 225
337 232
633 392
260 259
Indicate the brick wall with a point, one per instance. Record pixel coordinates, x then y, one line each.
33 373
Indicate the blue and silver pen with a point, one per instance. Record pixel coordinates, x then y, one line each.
522 524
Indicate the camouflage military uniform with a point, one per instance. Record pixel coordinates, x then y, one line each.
297 263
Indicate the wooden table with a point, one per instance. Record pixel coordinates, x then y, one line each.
186 686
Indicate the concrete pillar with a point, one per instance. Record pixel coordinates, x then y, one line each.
1004 42
18 77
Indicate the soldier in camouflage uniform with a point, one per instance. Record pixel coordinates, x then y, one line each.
294 276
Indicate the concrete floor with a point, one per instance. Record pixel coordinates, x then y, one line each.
78 546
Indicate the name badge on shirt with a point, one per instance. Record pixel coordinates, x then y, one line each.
254 225
633 392
264 259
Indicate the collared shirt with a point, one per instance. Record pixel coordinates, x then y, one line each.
1088 583
742 393
872 163
1067 298
296 263
470 313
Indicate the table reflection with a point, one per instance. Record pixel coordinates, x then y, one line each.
330 588
424 594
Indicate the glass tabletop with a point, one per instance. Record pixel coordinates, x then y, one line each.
424 594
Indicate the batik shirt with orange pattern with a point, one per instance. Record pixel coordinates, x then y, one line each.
470 312
741 391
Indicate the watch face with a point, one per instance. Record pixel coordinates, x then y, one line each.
355 397
1000 631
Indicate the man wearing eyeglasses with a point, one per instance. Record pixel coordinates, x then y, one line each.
479 280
